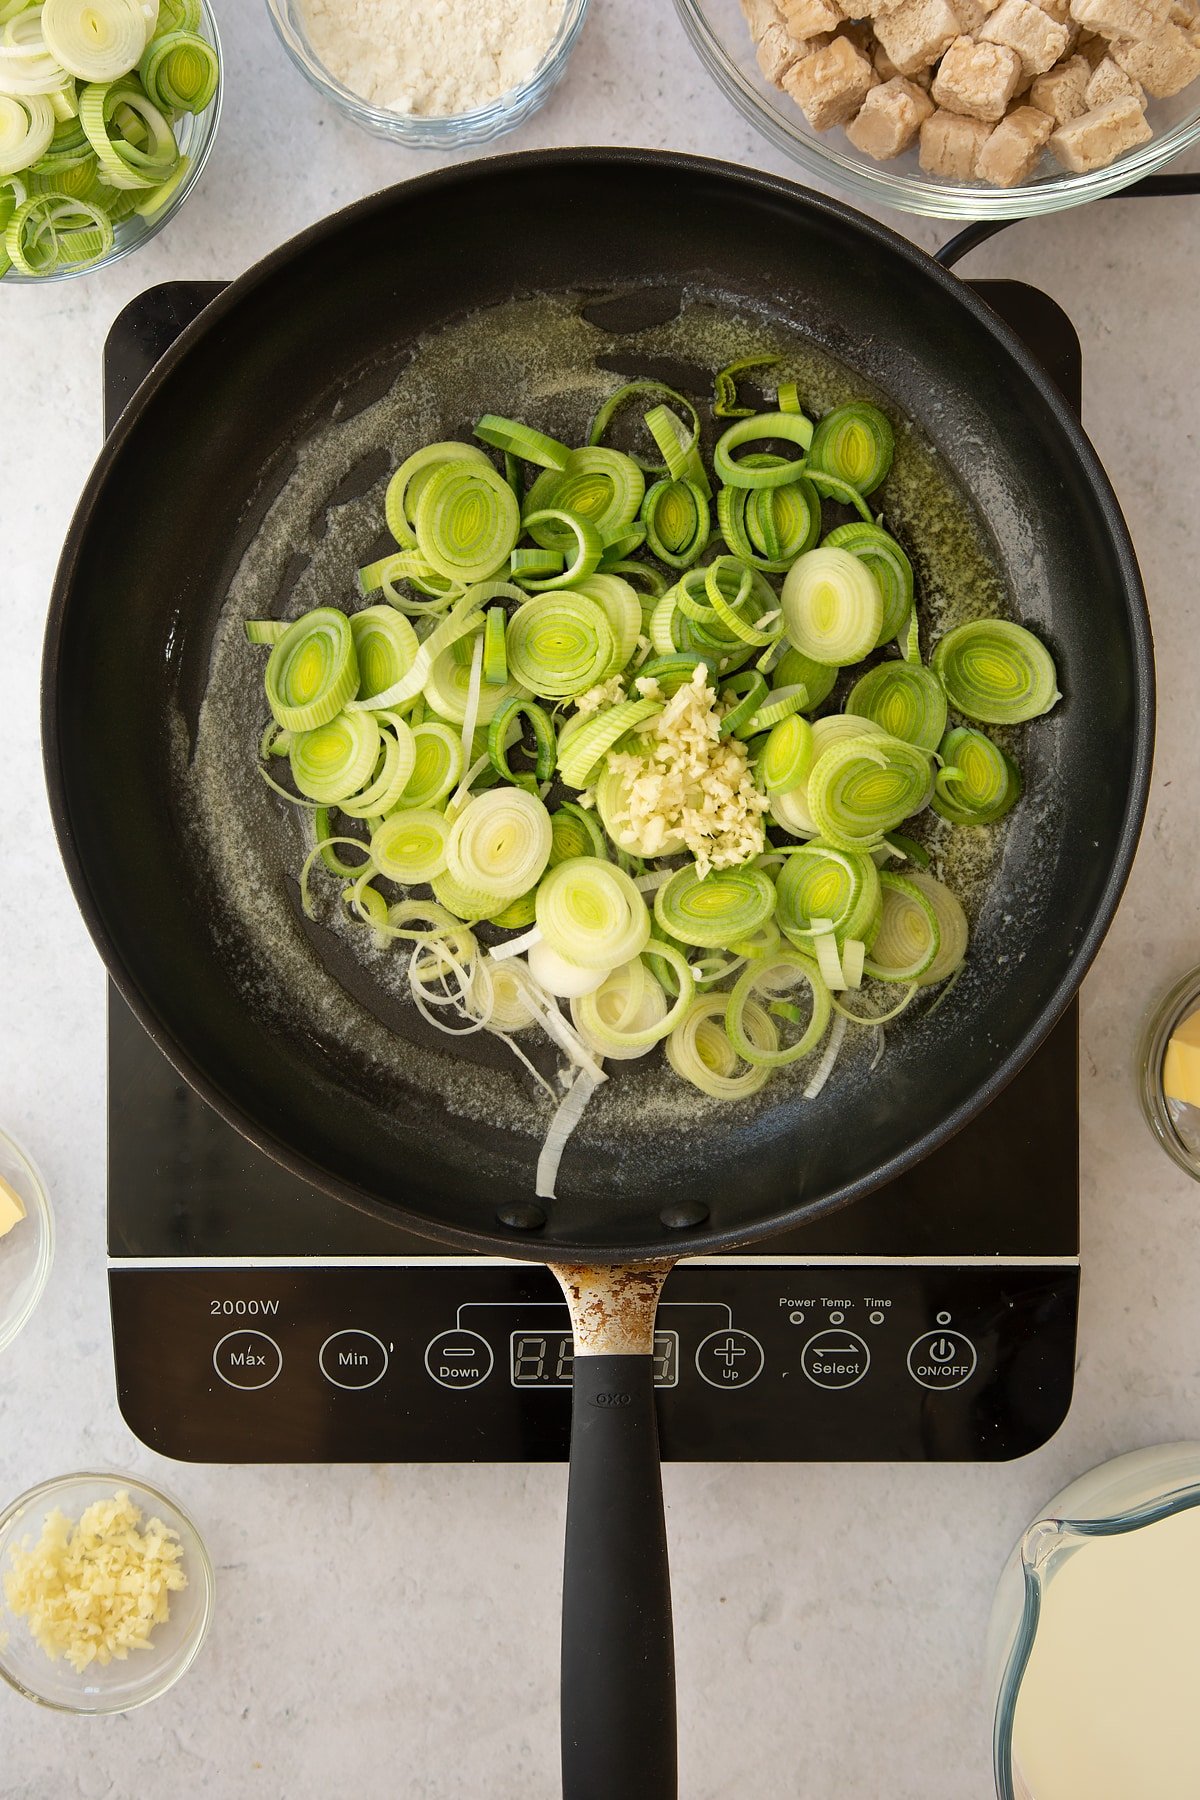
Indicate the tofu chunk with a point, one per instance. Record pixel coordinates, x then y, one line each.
1110 82
777 53
950 144
806 18
1015 148
1059 92
860 33
916 34
1138 19
977 79
1098 138
1163 64
890 118
831 84
1037 39
1092 47
973 15
760 15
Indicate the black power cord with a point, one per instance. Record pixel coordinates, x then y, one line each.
1154 187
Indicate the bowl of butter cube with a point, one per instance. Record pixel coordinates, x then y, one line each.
1169 1072
26 1239
962 108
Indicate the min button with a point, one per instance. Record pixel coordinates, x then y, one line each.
940 1360
353 1359
247 1359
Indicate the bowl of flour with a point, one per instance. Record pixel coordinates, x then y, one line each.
435 74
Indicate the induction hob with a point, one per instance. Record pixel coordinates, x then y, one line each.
256 1319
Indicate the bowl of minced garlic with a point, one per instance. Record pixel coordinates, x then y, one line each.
432 74
106 1593
1169 1072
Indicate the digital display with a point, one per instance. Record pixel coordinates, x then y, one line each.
547 1358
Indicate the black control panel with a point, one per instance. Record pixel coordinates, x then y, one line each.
754 1361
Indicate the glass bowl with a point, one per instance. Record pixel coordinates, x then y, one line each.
1175 1006
195 134
721 36
144 1674
26 1251
430 132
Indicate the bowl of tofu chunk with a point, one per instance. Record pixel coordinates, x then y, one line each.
962 108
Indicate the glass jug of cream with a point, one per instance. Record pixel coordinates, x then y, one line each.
1094 1642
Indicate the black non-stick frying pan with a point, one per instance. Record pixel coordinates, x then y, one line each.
261 384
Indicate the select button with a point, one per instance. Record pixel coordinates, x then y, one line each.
941 1360
247 1359
353 1359
835 1359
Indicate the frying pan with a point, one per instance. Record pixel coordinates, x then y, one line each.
308 340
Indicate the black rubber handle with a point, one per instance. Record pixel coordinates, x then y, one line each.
618 1652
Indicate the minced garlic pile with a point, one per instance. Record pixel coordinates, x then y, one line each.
605 693
694 784
94 1591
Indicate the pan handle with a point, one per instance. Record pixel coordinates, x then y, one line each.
618 1654
1153 187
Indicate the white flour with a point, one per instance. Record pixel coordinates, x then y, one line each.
432 57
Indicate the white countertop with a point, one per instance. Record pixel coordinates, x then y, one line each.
392 1630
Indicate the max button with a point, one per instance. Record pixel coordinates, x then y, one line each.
729 1358
458 1359
941 1360
247 1359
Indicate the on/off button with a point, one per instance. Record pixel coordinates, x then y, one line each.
941 1360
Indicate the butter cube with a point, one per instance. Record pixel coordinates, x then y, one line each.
1181 1064
12 1207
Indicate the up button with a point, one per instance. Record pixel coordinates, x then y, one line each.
941 1360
